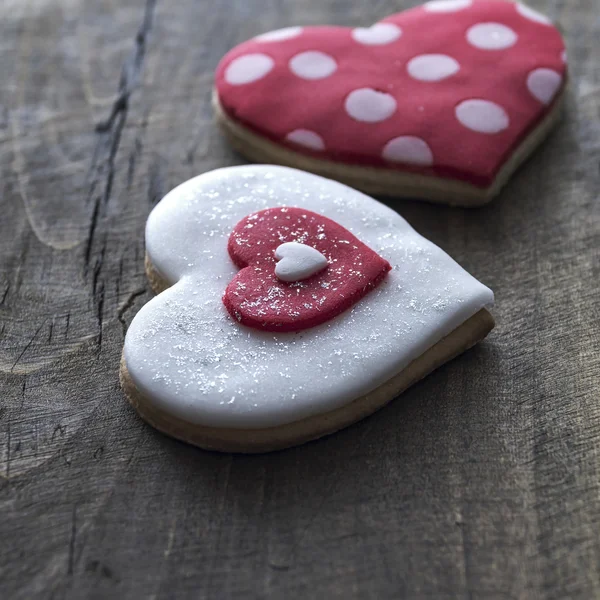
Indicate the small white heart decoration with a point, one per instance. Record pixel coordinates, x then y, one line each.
298 261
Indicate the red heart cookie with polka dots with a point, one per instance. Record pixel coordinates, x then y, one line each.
442 102
306 292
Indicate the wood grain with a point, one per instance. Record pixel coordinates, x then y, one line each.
482 481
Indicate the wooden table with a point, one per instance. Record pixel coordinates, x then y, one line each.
480 482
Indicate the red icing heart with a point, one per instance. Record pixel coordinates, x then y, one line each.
449 88
257 298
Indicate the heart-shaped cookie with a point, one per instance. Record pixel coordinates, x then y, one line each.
442 102
259 298
196 373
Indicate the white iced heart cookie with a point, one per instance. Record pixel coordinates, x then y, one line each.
192 370
298 262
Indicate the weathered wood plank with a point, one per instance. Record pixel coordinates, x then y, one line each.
480 482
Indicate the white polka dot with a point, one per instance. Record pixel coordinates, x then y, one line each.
432 67
313 65
248 68
446 5
410 150
306 138
532 15
543 84
370 106
563 56
287 33
482 116
377 35
491 36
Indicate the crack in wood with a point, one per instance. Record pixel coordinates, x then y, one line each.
113 127
28 345
100 314
5 294
127 305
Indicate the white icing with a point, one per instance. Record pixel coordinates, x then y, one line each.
298 261
446 5
491 36
313 65
377 35
543 84
482 116
432 67
408 149
370 106
190 358
279 35
532 15
306 138
248 68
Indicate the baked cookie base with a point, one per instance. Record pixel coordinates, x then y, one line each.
276 438
378 181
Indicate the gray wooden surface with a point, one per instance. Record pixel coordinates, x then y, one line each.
480 482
